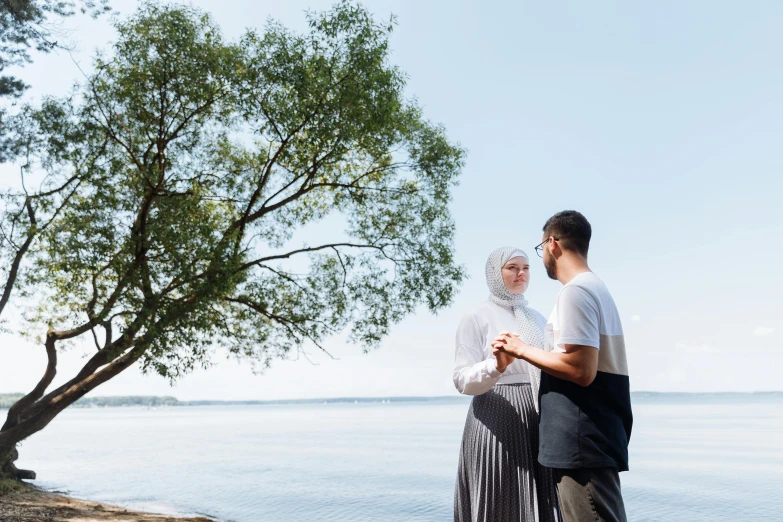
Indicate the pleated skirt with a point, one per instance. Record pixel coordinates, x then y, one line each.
499 478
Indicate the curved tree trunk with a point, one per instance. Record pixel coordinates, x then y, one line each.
8 469
34 412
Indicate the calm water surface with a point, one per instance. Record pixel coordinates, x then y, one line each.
692 459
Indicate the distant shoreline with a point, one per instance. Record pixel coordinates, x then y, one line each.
154 401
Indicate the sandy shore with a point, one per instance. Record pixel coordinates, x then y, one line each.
30 504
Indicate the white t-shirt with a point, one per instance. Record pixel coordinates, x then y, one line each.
585 314
475 371
586 427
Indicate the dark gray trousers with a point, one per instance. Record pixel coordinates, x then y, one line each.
590 494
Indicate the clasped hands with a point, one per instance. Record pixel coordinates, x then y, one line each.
506 347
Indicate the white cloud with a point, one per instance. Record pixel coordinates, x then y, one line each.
763 330
695 348
636 318
674 375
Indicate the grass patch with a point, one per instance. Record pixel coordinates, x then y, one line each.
9 486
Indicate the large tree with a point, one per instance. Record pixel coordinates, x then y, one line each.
174 184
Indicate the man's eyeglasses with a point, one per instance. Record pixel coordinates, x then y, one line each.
540 247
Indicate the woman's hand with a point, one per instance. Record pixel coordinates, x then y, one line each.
502 360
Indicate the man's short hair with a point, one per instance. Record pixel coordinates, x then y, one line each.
572 231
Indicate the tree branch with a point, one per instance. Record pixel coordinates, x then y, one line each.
15 412
38 420
286 323
304 250
13 272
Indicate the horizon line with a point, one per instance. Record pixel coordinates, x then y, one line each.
378 398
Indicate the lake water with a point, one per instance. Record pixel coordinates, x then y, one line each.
710 458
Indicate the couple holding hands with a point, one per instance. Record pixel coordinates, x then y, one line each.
548 428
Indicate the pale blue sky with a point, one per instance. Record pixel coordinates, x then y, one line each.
660 121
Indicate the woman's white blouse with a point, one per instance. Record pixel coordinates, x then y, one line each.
475 371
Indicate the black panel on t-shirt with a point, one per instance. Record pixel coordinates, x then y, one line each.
585 427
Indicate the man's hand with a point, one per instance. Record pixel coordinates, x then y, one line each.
578 364
510 344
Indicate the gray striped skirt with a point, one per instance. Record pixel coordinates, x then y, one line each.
499 478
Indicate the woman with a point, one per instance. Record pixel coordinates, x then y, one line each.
499 478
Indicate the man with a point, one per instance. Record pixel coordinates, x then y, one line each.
584 398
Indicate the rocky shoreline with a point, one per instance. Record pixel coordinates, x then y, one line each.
27 503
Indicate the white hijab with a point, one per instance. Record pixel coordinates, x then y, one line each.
527 324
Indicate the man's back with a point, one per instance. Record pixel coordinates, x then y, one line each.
586 427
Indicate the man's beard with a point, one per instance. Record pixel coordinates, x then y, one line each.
551 267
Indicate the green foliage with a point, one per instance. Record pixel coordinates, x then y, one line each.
26 24
114 402
194 161
9 486
8 399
